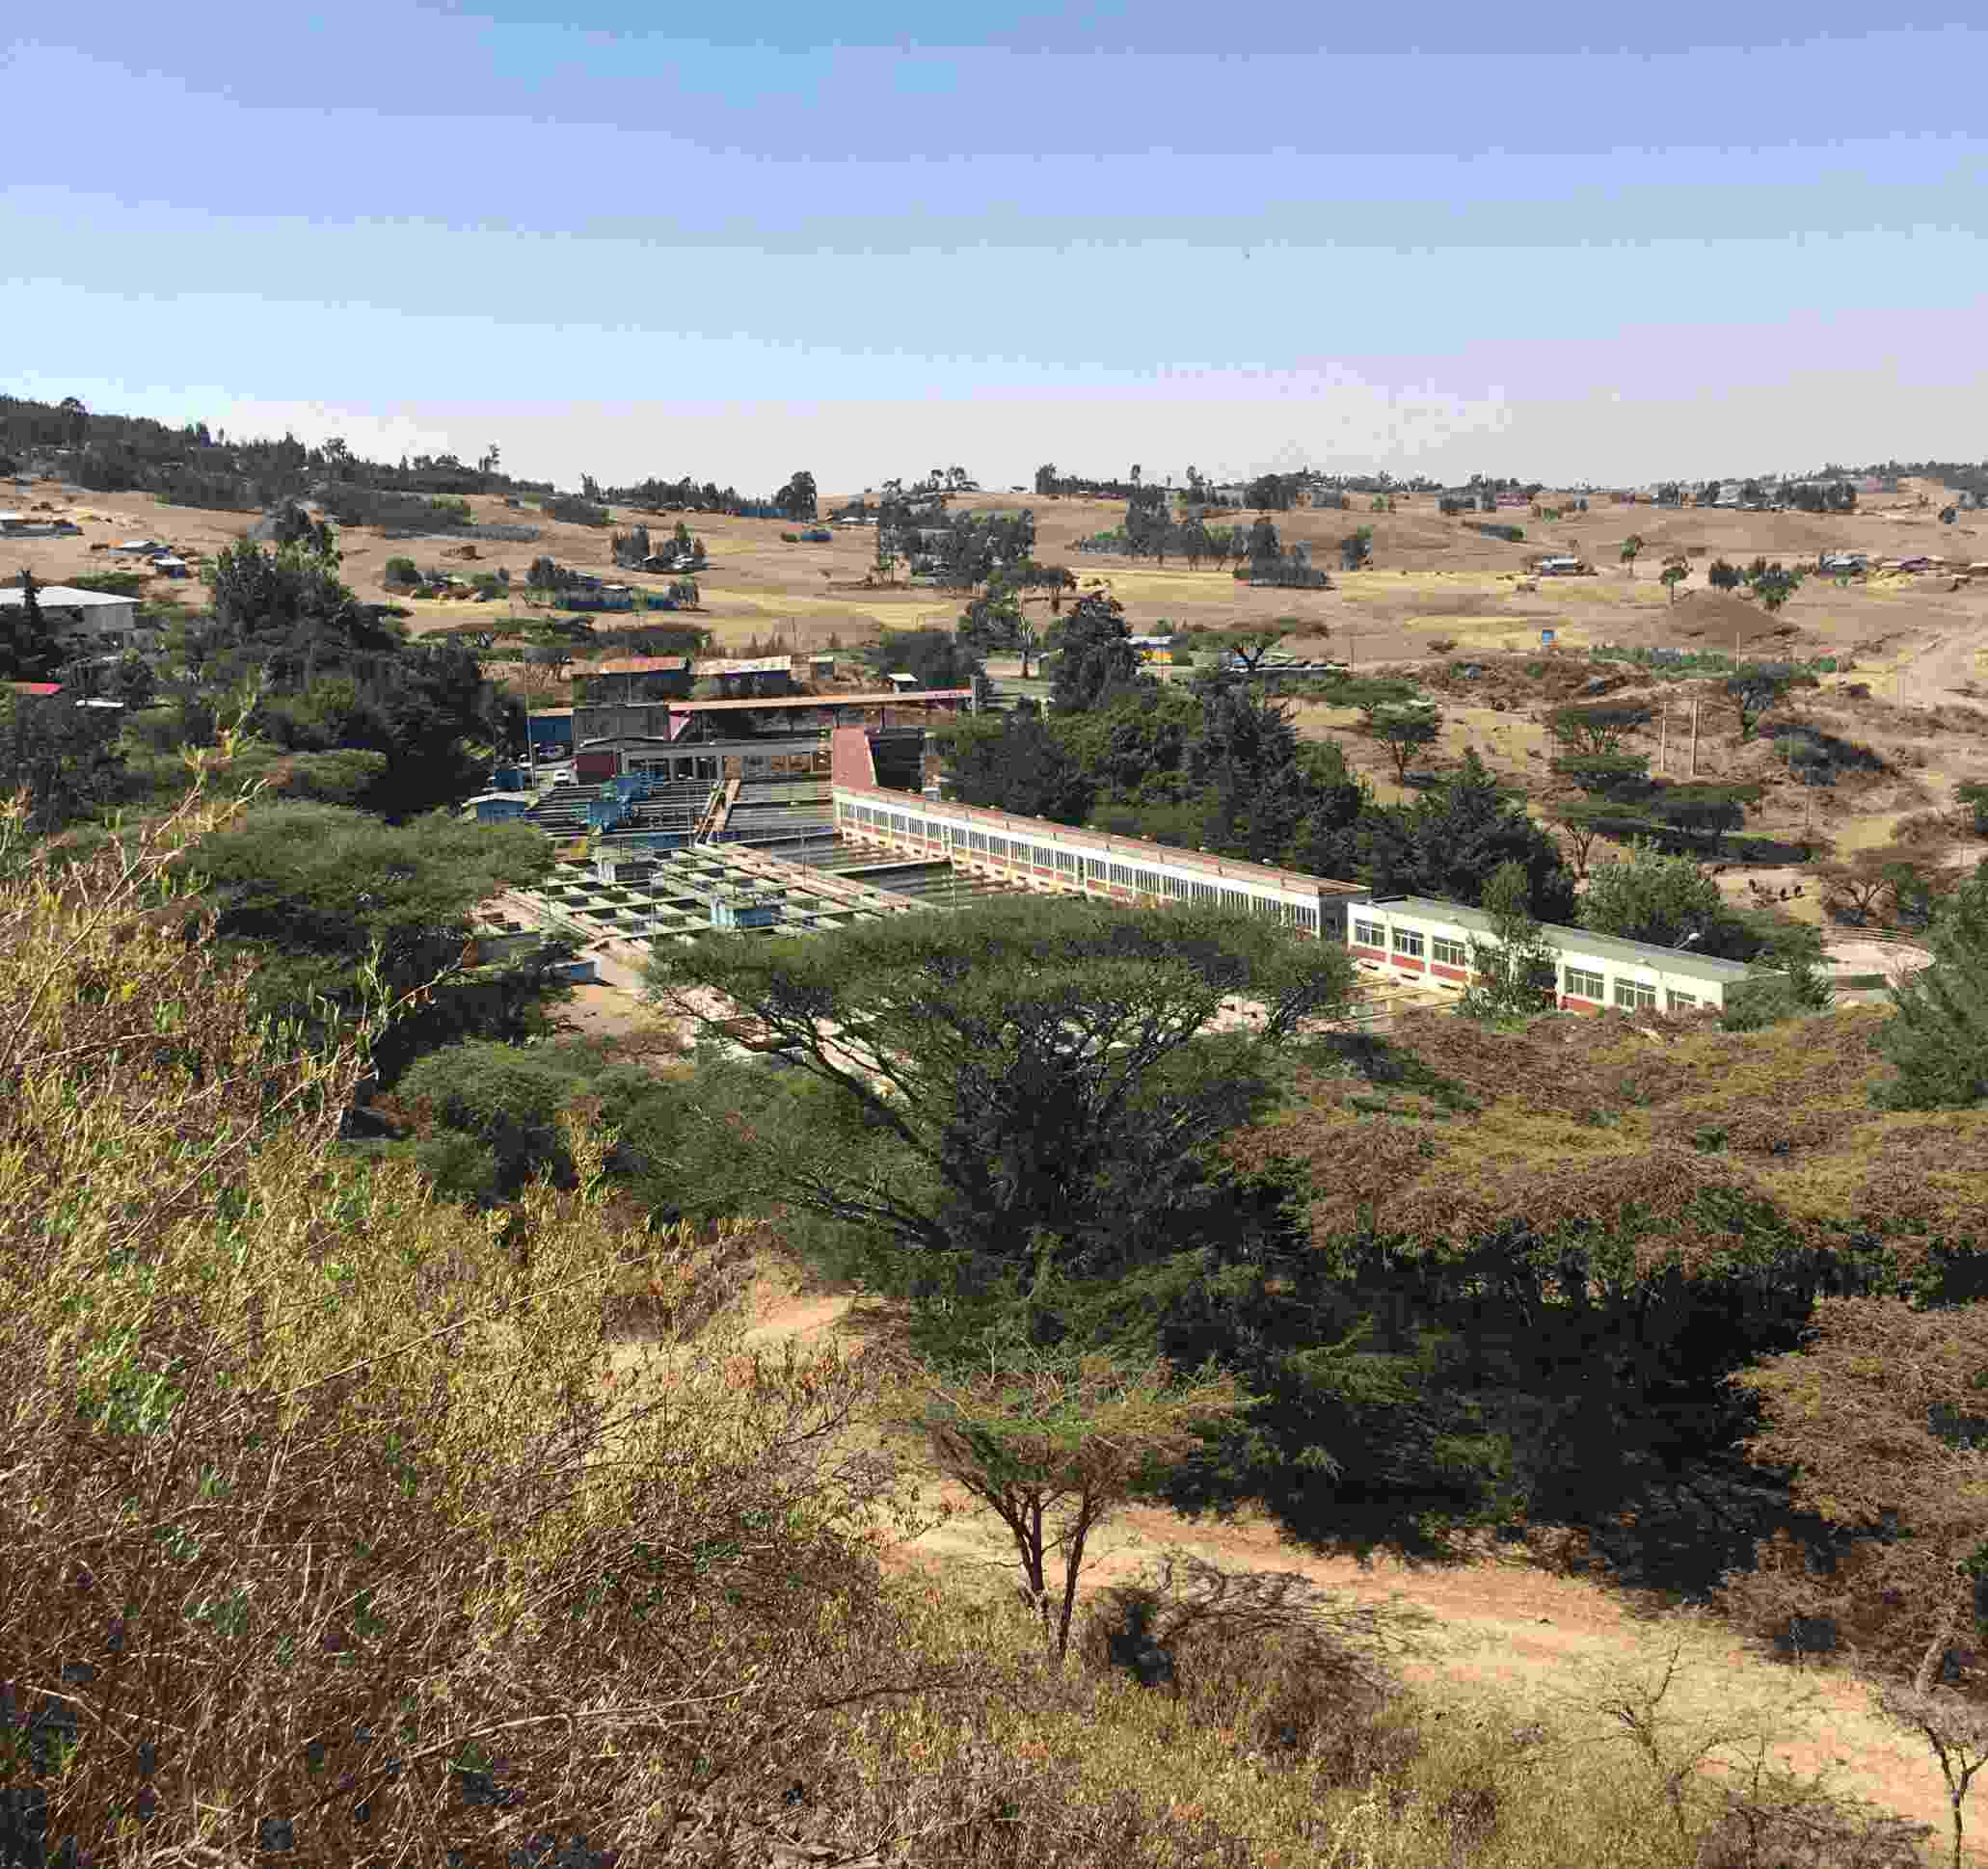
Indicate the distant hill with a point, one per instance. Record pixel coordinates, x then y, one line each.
194 466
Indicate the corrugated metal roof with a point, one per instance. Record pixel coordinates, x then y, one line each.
892 698
764 665
66 597
635 665
1633 953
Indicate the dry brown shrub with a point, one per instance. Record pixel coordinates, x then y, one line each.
323 1522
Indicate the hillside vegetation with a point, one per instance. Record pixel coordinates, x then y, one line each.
328 1533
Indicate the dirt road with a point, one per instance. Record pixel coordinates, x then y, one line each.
1502 1631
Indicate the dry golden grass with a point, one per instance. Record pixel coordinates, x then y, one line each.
335 1531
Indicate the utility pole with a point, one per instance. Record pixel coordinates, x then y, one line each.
1663 730
1694 736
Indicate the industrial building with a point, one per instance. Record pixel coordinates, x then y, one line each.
824 843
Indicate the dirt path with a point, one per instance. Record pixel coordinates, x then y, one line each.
1505 1631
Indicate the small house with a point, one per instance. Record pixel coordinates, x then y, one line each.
170 567
498 807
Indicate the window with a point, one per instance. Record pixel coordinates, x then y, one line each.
1682 1002
1234 898
1584 986
977 840
1095 868
1447 954
1635 996
1121 874
1066 862
1147 883
1408 942
1369 934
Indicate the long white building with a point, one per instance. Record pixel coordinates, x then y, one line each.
1413 937
1420 938
1062 857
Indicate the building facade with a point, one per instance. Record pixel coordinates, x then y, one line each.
1420 938
92 623
1065 859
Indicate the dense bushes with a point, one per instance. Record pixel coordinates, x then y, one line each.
345 1533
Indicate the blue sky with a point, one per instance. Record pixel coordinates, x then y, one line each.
1544 240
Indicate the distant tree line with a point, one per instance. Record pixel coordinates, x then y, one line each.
193 465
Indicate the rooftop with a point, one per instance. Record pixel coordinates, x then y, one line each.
65 597
1632 954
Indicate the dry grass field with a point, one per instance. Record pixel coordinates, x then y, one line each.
1917 643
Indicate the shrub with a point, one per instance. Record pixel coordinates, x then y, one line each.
401 570
308 1505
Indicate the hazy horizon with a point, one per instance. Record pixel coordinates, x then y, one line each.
1563 246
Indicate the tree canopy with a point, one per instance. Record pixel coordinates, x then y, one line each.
316 890
996 1102
1452 839
1094 652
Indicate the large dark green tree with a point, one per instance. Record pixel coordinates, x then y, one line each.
1451 841
1008 1102
65 757
1095 652
1938 1037
936 658
1245 761
1014 763
797 500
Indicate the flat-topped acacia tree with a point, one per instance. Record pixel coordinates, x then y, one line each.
1007 1098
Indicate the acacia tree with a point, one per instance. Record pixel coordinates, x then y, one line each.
1581 822
1600 727
1759 687
990 1101
1879 1417
1052 1442
1406 733
1251 643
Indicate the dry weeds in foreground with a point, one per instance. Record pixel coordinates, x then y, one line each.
327 1539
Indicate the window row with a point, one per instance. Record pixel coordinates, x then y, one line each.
1580 982
1073 864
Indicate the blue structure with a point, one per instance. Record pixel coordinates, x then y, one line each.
552 732
510 778
739 908
497 807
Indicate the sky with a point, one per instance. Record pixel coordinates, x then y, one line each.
1572 244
